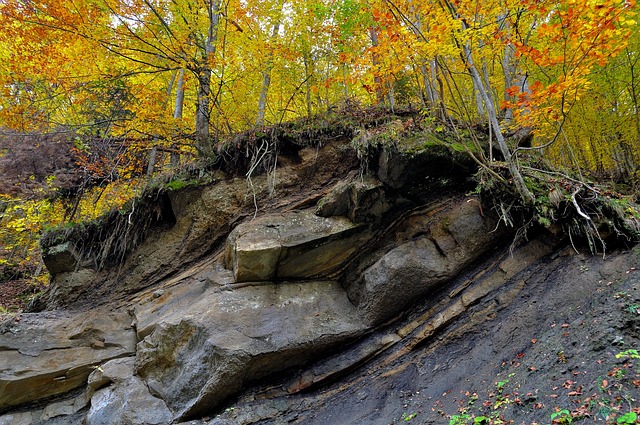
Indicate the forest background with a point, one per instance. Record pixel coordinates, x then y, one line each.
117 92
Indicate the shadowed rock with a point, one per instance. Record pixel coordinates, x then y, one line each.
61 258
418 267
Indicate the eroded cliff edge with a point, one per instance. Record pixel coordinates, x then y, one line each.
336 269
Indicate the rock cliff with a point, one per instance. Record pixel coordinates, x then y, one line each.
238 304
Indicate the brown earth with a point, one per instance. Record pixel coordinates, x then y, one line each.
16 294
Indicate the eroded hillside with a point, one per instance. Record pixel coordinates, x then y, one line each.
323 284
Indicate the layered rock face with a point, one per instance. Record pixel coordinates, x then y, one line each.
297 245
303 282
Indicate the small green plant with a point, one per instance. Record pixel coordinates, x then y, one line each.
628 354
407 417
634 308
628 418
472 399
561 417
500 386
176 184
461 419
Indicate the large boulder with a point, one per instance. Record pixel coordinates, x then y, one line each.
44 355
291 245
416 268
63 257
228 337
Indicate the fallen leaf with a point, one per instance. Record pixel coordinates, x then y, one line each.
605 383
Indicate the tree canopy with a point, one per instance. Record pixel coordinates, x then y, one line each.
166 80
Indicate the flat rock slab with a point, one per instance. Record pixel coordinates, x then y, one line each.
46 354
195 359
292 245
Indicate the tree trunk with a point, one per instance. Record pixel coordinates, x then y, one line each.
151 165
266 75
203 74
373 34
262 100
203 116
521 187
345 85
177 114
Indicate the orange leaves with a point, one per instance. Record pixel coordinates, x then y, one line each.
566 42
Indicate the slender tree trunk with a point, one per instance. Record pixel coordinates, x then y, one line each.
391 96
203 110
203 115
306 56
373 34
151 165
509 71
262 100
345 85
266 75
177 114
633 89
430 88
521 187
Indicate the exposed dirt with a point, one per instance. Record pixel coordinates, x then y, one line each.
548 354
16 294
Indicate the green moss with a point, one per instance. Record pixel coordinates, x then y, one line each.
176 184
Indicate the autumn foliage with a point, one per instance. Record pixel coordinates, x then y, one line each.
143 85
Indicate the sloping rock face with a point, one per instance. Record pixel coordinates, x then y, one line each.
230 337
309 290
446 244
201 219
361 198
127 402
